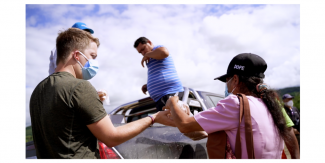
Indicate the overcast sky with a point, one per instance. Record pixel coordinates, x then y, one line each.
202 39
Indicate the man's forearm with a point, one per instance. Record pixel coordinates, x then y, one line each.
178 115
131 130
292 144
159 53
112 136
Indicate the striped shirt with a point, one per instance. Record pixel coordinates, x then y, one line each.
162 77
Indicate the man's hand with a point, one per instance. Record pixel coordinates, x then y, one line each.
167 108
172 100
145 59
144 89
187 110
102 95
296 131
161 117
169 104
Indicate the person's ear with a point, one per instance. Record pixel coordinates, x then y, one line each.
236 80
75 55
149 42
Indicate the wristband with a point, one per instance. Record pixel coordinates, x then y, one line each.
152 120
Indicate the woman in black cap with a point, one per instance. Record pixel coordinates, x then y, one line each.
244 75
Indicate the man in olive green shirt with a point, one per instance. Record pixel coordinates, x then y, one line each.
67 115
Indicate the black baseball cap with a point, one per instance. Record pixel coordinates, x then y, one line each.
246 64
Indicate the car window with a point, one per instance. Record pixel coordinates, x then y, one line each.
138 114
210 99
207 101
214 99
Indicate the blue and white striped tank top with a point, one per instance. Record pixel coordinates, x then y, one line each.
162 77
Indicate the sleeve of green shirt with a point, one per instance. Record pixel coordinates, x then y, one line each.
289 122
87 103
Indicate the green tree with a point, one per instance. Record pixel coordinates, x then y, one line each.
296 100
29 134
293 91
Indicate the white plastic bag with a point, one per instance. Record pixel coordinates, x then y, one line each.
195 135
182 105
103 96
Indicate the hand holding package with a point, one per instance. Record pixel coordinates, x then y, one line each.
103 96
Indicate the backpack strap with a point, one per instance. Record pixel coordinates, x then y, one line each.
245 111
238 141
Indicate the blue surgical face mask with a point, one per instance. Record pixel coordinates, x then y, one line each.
226 90
90 69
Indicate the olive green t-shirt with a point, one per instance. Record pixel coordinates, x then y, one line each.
60 108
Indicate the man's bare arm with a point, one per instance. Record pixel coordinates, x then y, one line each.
159 53
112 136
292 144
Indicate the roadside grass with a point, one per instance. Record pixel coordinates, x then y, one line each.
29 134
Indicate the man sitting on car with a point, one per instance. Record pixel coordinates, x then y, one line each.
163 80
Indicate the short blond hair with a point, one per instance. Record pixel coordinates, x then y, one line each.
72 39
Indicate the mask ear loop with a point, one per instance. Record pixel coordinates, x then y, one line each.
83 55
232 89
78 61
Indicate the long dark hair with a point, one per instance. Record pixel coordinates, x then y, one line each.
269 97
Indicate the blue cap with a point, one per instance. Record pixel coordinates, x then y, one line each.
82 26
287 96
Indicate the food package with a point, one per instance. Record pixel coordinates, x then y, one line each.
103 96
184 106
